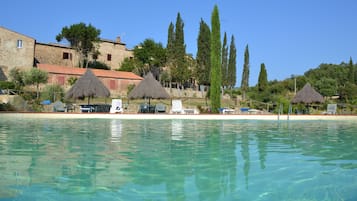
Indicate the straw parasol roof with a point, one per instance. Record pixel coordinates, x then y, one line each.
88 85
308 95
149 88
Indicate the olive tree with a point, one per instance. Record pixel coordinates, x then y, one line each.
36 77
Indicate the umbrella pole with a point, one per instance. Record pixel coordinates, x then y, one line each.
149 105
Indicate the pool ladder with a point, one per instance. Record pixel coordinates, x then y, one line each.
281 109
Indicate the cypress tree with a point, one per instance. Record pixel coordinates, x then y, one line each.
203 54
245 75
170 43
263 78
215 94
351 73
232 64
170 49
224 68
181 72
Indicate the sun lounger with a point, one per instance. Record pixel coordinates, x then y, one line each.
160 108
58 106
331 109
226 110
117 106
177 107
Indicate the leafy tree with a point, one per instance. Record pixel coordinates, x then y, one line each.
224 68
36 77
151 54
7 85
130 65
98 65
326 86
348 92
17 76
203 54
216 74
337 72
52 92
245 75
232 64
263 78
82 38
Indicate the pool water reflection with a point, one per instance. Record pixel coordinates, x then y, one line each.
99 159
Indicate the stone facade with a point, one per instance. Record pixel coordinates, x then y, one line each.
16 50
56 54
20 51
112 53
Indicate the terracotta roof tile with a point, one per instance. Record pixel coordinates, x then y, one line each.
55 69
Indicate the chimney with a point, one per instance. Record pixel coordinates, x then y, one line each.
118 40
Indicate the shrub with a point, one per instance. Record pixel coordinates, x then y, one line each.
52 92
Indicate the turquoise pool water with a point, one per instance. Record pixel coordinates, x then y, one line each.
88 159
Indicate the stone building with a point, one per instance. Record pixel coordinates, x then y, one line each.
112 53
56 54
16 50
20 51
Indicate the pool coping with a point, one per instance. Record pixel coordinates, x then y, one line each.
283 117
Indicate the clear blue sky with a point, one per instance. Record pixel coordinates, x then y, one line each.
289 36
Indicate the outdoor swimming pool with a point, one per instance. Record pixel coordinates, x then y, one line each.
113 159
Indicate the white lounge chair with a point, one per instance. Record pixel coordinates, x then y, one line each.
331 108
176 107
117 106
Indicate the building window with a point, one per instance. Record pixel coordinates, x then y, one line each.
109 57
19 43
95 56
67 55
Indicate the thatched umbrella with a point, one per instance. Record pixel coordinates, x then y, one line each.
308 95
88 85
149 88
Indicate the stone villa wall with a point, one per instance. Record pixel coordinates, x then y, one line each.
16 50
113 53
56 54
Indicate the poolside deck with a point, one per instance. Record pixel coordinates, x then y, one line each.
177 116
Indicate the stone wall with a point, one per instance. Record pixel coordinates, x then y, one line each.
16 50
56 54
113 53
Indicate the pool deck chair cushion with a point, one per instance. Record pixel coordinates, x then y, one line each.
176 107
117 106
